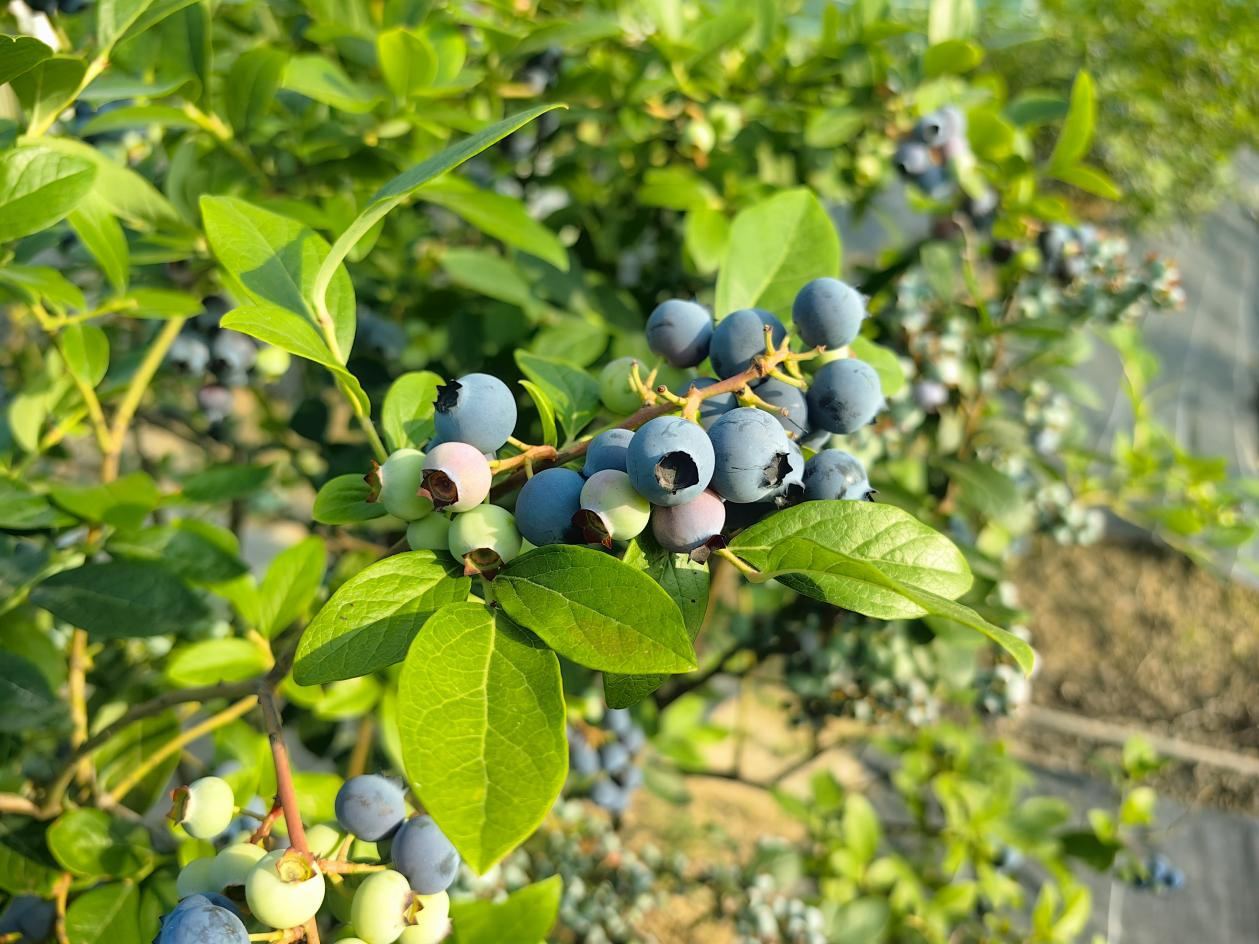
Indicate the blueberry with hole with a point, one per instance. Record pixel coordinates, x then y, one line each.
680 332
484 538
607 451
942 126
753 455
711 407
683 528
425 856
284 889
828 313
204 808
845 395
197 920
670 460
611 509
739 337
431 533
380 912
546 505
233 863
786 397
370 807
188 354
615 389
791 491
834 474
400 479
430 920
912 159
477 409
456 476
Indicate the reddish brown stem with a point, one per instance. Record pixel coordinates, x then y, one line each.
285 795
268 821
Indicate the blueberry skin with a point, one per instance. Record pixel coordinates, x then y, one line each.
739 337
611 797
777 393
670 460
615 757
711 408
32 917
234 353
845 395
477 409
828 312
753 455
619 720
582 758
189 354
912 159
834 474
425 856
680 332
370 806
683 528
546 505
197 920
942 127
607 451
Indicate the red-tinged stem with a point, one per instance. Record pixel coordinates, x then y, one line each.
285 795
268 822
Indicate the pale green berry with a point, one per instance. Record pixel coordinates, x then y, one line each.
615 389
204 808
429 534
400 478
611 510
484 537
272 361
284 889
430 921
235 862
322 840
380 910
198 877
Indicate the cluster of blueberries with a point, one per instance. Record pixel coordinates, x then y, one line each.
604 759
1160 874
673 473
933 156
405 902
1064 250
221 359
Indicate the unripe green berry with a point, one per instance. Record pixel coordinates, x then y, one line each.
322 840
431 922
284 889
429 534
272 361
400 484
611 510
235 862
615 389
381 904
204 808
485 537
198 877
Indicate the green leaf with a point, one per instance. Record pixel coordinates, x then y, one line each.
38 187
834 128
775 247
860 826
371 619
884 536
951 57
706 234
595 610
86 350
120 599
46 90
197 551
26 866
224 483
21 509
290 585
861 921
43 283
1089 179
1077 131
884 361
343 500
526 916
676 188
950 19
405 184
252 82
123 503
275 260
473 672
20 54
546 412
118 757
321 79
26 700
127 194
103 238
407 61
93 844
118 18
212 661
497 215
486 272
138 116
105 915
573 393
407 413
985 489
162 303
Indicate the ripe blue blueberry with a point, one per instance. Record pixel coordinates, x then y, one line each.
234 353
619 720
787 397
834 474
912 159
32 918
670 460
197 920
425 856
683 528
189 354
456 476
607 451
1053 241
753 455
680 331
739 337
582 758
484 538
828 312
546 505
615 387
941 127
216 402
610 796
399 480
477 409
370 807
844 396
611 509
712 407
614 757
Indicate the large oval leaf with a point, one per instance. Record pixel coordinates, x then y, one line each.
372 618
26 700
481 720
105 915
94 844
596 610
120 599
38 187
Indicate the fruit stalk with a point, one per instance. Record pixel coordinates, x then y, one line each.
284 791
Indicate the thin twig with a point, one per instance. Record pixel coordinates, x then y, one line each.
286 795
135 393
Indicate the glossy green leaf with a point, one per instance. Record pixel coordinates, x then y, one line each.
212 661
546 412
343 500
1077 131
252 82
107 914
118 18
23 509
43 284
103 238
118 757
595 610
223 483
321 79
86 351
46 90
526 916
93 844
574 393
775 247
406 416
197 551
20 54
371 619
488 273
124 503
120 599
471 671
1090 180
407 60
497 215
126 194
951 57
26 700
38 187
290 585
884 361
26 865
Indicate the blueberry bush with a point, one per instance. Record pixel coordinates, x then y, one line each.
393 393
